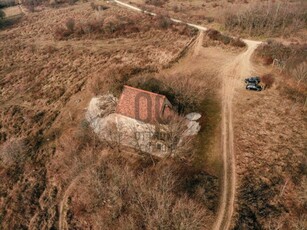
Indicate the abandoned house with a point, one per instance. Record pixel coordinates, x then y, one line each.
144 106
140 119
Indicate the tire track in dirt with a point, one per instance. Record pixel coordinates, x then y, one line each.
232 75
62 210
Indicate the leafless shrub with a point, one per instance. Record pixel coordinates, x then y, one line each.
61 33
12 152
300 73
72 2
177 144
176 8
94 6
31 4
126 198
237 42
53 3
226 40
164 21
209 19
183 217
188 90
268 80
185 91
216 35
156 2
274 50
70 24
291 60
269 19
98 86
113 135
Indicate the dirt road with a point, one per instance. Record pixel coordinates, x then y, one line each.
232 75
201 28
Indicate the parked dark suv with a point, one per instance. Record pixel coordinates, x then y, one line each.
253 87
252 80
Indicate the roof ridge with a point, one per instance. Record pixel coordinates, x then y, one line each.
149 92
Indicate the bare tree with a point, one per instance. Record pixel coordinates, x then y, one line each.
189 91
113 135
268 80
172 135
300 73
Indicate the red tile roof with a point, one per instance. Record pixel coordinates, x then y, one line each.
143 105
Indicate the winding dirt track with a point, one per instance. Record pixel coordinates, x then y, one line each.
232 75
62 209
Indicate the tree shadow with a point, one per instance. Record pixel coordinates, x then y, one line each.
10 22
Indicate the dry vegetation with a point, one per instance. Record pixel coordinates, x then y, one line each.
269 19
244 17
115 26
216 38
271 161
54 170
271 153
290 60
124 191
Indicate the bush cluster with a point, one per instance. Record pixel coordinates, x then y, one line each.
270 19
106 27
291 60
157 197
114 26
156 2
226 40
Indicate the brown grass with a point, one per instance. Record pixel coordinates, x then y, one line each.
270 160
53 81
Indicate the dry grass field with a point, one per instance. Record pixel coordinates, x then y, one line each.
49 157
270 140
57 174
